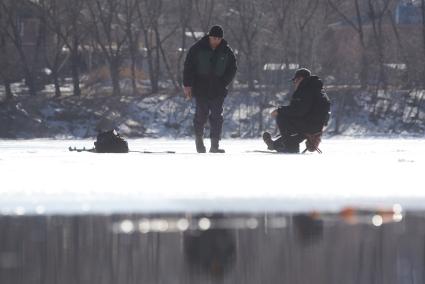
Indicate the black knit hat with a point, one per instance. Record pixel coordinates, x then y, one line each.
216 31
302 72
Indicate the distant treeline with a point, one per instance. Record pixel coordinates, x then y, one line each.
377 44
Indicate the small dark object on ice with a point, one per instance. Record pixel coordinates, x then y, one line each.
110 142
93 150
106 142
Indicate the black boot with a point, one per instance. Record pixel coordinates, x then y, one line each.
267 138
200 147
214 146
277 145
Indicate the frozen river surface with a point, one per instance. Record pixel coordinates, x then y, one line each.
43 177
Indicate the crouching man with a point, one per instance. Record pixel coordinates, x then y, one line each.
305 116
209 68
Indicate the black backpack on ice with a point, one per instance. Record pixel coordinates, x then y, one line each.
110 142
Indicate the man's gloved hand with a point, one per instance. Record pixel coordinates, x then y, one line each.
187 92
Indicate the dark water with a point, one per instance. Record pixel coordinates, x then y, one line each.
348 247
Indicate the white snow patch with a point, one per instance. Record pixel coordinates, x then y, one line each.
43 177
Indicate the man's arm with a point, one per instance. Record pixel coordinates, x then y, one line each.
189 72
300 105
189 68
231 68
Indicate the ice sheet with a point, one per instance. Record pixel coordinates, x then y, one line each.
43 177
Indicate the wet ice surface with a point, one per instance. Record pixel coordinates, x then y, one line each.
43 177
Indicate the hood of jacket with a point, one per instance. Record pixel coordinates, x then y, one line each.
312 83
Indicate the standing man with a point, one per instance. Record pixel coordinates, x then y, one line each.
307 114
209 68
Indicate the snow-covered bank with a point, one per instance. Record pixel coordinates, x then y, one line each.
247 115
41 176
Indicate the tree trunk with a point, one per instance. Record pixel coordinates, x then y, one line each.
341 101
29 82
364 70
29 79
133 75
133 55
153 79
75 71
115 76
157 59
152 73
8 89
57 84
251 77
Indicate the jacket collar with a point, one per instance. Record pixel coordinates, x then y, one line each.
204 42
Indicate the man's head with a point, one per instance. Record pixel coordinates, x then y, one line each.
215 36
300 75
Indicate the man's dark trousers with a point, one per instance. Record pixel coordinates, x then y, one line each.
211 108
291 134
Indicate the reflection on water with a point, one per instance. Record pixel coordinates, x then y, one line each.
353 246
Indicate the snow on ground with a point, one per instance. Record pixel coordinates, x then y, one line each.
43 177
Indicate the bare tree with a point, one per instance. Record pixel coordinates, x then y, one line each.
401 50
67 21
204 11
185 15
358 26
149 12
106 21
132 31
12 31
281 10
305 12
151 19
53 42
244 23
4 57
377 12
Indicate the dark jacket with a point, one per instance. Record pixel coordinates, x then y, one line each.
209 71
309 108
